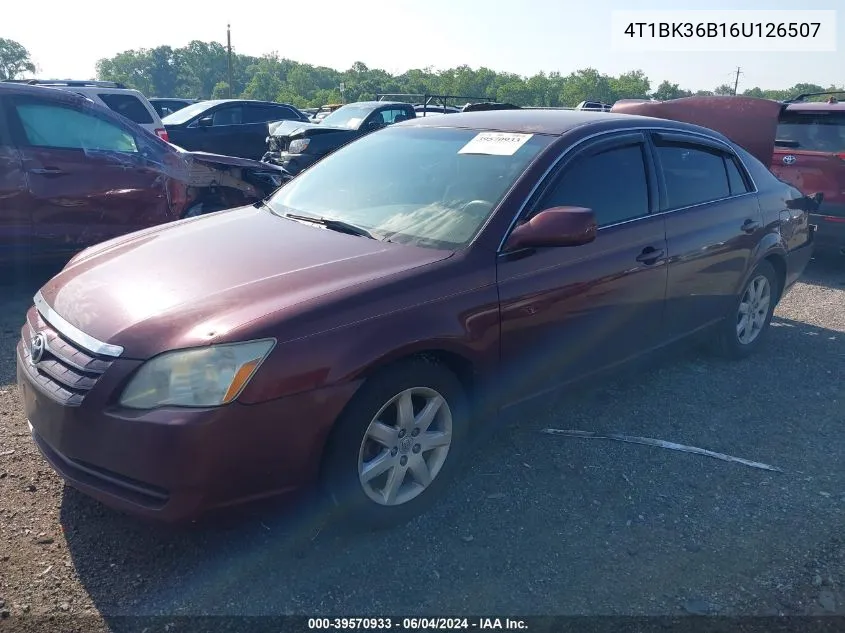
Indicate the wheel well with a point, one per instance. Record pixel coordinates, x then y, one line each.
779 264
457 364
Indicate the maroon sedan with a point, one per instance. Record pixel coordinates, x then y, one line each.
358 327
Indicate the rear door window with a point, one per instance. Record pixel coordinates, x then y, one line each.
819 131
267 113
693 174
129 106
61 127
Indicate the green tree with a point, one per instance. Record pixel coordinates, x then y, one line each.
263 86
630 85
586 85
201 70
14 59
220 90
666 91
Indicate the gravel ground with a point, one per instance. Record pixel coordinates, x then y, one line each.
538 524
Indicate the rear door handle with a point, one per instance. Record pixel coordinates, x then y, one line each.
749 226
650 255
46 171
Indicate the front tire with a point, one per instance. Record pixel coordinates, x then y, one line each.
395 448
745 328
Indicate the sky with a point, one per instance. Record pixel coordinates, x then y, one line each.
523 37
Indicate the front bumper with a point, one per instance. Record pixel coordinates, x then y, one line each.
291 163
174 464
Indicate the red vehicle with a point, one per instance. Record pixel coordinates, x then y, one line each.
376 313
74 173
810 154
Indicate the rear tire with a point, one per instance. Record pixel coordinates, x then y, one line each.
396 447
745 328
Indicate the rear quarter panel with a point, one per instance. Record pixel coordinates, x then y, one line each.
787 227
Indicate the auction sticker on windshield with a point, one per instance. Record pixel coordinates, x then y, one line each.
495 143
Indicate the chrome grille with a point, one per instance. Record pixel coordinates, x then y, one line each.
66 371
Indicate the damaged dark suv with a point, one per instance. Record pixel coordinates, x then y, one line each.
74 173
295 146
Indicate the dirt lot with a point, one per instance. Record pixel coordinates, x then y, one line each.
538 525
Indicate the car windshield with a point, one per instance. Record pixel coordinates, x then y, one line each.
349 116
816 131
186 114
430 187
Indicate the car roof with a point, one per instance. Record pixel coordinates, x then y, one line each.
378 104
552 122
213 102
812 106
59 93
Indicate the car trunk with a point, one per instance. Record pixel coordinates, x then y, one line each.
810 154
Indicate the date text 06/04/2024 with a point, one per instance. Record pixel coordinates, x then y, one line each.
416 624
723 29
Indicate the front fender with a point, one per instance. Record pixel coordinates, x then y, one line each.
465 324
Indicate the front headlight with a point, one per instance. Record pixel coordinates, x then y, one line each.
299 145
198 377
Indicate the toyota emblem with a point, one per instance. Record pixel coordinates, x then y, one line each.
788 159
36 348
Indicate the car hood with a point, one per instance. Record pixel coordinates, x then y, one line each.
749 122
219 159
290 129
196 281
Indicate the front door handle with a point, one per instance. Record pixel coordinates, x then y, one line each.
749 226
46 171
650 255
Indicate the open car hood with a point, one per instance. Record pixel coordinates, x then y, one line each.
208 158
290 129
749 122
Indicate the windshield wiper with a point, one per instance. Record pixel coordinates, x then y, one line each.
334 225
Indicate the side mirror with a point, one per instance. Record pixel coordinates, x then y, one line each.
558 226
206 121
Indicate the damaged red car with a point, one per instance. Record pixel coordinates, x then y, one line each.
74 173
375 314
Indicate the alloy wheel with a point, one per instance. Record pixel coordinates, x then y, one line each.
405 446
753 310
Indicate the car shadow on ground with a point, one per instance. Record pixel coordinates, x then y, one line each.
266 561
826 271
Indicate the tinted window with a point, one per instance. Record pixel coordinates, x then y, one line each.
266 113
735 179
389 116
612 183
693 175
57 126
129 106
228 115
819 131
165 108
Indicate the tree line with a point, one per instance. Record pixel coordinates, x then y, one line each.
200 71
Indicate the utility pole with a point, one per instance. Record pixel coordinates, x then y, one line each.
229 47
736 82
